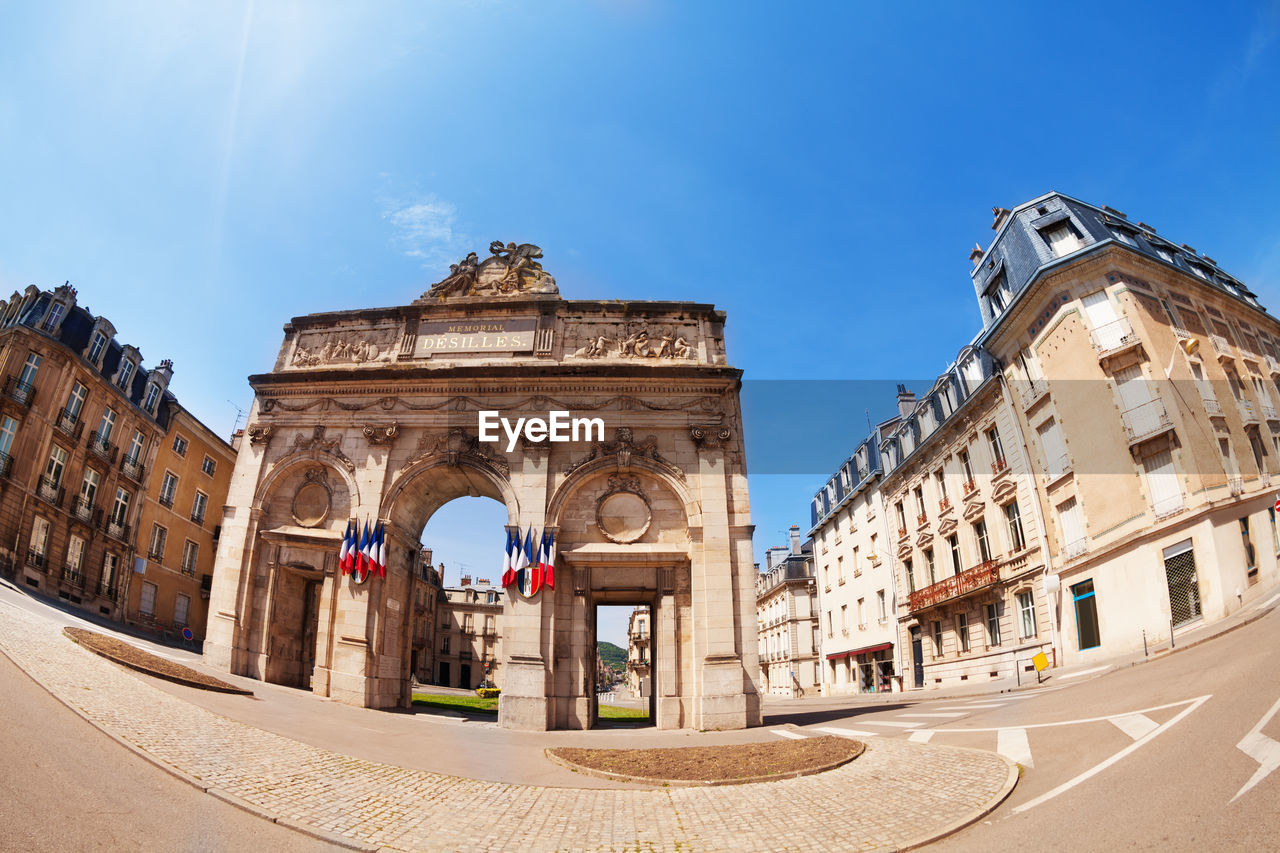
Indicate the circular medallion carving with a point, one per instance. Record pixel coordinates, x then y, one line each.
623 516
311 504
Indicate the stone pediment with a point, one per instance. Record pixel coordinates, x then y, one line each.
904 549
972 510
924 538
947 526
510 270
1004 492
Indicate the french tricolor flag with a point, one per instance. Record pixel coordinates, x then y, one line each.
508 561
345 555
547 557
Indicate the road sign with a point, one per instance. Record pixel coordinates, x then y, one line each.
1277 503
486 666
186 634
1040 661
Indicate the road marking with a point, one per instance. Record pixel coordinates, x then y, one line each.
792 735
921 736
1262 749
1134 725
1098 768
1083 672
975 705
895 725
1013 745
950 716
846 732
1081 721
1270 601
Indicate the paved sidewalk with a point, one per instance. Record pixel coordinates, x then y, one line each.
896 795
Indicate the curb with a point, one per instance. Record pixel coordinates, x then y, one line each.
163 676
652 782
1010 782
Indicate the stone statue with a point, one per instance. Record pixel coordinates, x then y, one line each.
512 269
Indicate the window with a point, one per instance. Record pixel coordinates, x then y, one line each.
1026 614
840 569
830 625
984 546
444 644
96 347
902 516
198 507
1086 615
1055 451
39 537
89 488
27 378
120 510
180 445
208 465
107 424
919 493
966 466
147 607
190 555
962 631
937 638
993 624
954 541
110 563
8 429
51 320
862 612
75 553
75 402
997 449
844 619
181 604
57 465
929 564
1162 483
1250 556
153 395
1017 539
168 488
941 484
135 448
125 376
156 550
1062 237
911 580
881 612
1073 539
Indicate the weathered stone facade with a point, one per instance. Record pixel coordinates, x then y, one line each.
375 414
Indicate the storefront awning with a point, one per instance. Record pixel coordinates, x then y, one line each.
864 651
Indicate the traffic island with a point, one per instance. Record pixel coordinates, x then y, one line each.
736 764
135 658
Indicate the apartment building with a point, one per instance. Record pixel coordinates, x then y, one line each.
857 597
82 425
469 635
639 652
1094 471
427 594
787 614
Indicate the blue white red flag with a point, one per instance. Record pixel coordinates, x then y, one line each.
344 555
548 558
535 567
508 565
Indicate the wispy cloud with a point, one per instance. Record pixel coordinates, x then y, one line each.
426 229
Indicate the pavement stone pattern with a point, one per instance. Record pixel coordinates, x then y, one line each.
896 793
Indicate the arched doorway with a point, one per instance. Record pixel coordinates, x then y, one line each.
400 407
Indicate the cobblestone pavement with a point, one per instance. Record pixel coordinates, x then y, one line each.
896 794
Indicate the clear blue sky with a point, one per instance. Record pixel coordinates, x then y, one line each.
204 171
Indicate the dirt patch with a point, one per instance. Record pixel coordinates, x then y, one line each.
713 765
135 658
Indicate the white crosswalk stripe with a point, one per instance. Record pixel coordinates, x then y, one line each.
972 705
890 723
1013 745
922 736
941 716
1134 725
788 734
834 730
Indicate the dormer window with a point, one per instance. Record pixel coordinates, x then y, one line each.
125 376
153 396
1062 237
54 317
96 346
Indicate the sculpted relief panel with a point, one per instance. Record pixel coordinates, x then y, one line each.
631 341
345 346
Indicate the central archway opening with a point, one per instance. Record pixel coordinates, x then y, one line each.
456 649
624 665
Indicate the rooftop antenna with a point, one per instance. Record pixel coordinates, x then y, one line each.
241 417
867 412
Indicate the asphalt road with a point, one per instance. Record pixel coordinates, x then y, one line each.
1141 758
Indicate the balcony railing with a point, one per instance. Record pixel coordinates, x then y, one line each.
1114 337
969 487
1212 407
1000 466
189 569
1033 390
979 577
1248 414
101 445
166 501
1075 548
69 424
1146 421
1221 346
107 589
83 510
1168 506
944 505
21 393
118 530
902 533
197 515
36 560
1273 366
1236 484
1059 466
73 575
133 469
922 519
6 464
49 490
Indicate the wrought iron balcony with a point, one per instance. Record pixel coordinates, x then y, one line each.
197 515
1268 411
1248 414
107 589
1033 390
1221 346
1000 466
1075 548
1146 421
922 519
133 469
48 490
189 569
82 509
19 392
118 530
1115 337
902 533
944 505
166 501
101 445
73 575
1212 406
969 487
1236 484
979 577
36 560
1168 506
69 424
6 464
1273 366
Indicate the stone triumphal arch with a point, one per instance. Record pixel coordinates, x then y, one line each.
375 414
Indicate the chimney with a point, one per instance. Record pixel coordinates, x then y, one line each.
906 401
975 255
466 580
795 540
1001 214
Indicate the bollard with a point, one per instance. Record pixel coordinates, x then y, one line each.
1144 643
1171 646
